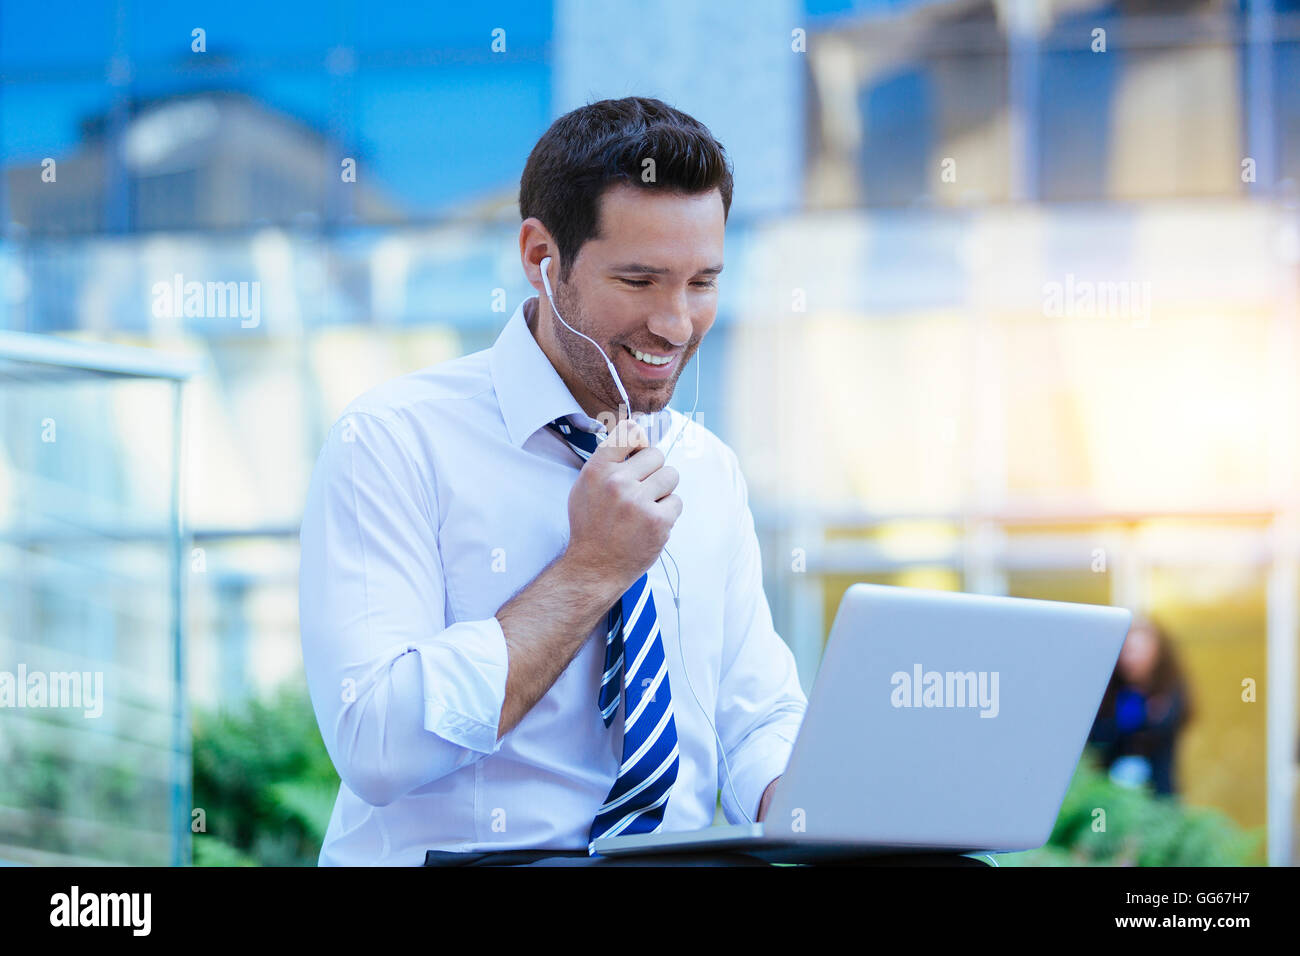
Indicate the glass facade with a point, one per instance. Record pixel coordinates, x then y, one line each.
94 738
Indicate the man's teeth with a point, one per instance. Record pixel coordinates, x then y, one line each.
651 359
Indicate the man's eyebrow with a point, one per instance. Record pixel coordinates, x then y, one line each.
657 270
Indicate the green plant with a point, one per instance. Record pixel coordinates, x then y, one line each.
1102 823
264 782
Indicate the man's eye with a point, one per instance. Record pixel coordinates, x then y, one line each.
638 283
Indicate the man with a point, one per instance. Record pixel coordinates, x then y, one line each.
491 633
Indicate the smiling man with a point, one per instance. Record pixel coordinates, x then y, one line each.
522 628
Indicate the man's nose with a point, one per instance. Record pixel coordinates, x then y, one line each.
674 327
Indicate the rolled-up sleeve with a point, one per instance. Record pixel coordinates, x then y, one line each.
760 702
401 698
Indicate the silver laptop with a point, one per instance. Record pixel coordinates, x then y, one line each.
938 722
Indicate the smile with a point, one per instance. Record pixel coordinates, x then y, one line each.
650 359
653 368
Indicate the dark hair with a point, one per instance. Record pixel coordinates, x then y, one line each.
587 149
1167 675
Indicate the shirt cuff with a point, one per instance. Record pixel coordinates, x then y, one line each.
464 678
754 765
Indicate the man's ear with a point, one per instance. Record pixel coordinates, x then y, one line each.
535 244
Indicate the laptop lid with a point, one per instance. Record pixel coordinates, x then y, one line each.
942 719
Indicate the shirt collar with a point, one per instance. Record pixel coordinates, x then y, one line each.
529 389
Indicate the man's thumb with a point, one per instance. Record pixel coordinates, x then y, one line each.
625 438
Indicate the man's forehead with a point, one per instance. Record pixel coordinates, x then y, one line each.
685 252
648 268
636 217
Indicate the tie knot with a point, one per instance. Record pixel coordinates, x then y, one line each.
582 442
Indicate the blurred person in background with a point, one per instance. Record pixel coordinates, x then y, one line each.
1145 707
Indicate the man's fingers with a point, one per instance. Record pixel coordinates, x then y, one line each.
672 506
661 482
625 438
644 463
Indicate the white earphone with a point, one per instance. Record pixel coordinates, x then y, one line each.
675 589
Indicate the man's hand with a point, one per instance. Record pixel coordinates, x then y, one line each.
767 799
621 508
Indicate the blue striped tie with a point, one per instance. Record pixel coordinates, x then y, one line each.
637 801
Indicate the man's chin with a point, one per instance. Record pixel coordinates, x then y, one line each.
645 401
652 401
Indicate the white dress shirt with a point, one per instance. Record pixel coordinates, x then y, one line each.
436 498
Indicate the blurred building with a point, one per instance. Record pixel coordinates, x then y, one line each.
201 161
733 62
1054 100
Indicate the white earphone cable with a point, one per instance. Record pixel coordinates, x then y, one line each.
677 603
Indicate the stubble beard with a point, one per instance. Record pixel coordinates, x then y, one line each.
590 369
